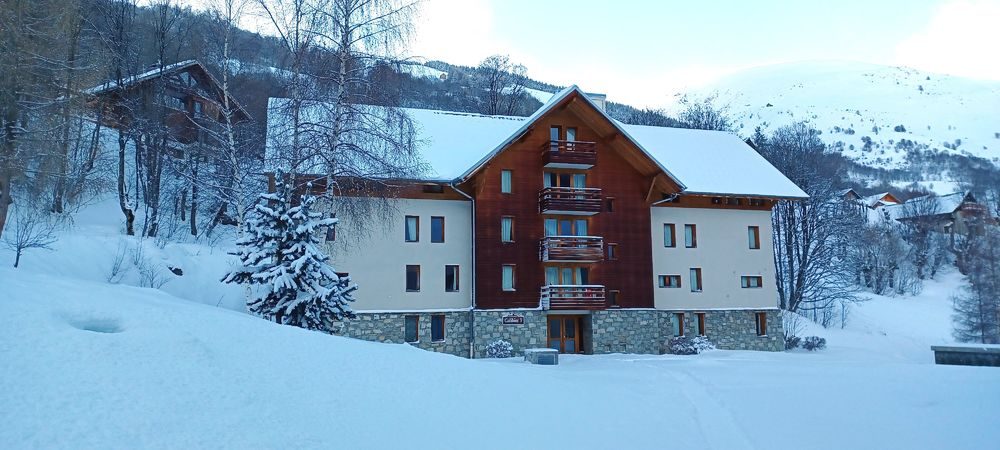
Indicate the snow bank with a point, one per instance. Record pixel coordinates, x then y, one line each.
94 365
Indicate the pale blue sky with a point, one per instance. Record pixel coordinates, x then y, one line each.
642 52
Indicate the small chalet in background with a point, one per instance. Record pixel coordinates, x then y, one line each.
182 99
957 213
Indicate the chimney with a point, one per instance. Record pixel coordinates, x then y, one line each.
601 100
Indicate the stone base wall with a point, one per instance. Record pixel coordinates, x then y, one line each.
489 327
737 330
626 331
391 328
639 331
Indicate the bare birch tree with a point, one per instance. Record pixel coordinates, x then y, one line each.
811 274
503 84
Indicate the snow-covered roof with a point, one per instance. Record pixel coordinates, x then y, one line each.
927 205
110 85
455 145
872 200
714 162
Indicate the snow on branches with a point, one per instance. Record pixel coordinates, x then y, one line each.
280 253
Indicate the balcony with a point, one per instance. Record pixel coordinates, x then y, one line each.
570 201
571 248
573 297
569 154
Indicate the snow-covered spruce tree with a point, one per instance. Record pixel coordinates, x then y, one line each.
977 307
280 252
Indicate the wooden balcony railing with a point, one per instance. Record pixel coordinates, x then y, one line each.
568 200
564 296
571 248
569 154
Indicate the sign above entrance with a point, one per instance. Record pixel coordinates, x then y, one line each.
513 319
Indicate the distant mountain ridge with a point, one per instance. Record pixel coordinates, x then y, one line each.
879 116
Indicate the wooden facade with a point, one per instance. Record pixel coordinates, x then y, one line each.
620 185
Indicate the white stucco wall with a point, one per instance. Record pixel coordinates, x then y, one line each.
723 254
378 262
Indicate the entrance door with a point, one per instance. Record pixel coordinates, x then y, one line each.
564 334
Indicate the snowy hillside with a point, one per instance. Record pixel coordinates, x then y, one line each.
856 102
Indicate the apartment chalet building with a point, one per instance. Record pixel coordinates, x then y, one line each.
570 230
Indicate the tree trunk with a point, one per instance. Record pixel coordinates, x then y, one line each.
5 200
122 194
194 201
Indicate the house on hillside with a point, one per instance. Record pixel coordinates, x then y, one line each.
570 230
957 213
183 100
172 123
879 200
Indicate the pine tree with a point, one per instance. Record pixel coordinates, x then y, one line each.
977 308
280 252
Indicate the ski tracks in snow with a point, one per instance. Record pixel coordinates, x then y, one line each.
717 425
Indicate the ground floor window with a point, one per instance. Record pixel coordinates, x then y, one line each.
761 320
701 323
437 327
412 327
751 281
678 324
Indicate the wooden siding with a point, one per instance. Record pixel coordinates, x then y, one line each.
619 172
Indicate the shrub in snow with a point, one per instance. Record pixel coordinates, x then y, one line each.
792 342
280 252
683 345
500 348
813 343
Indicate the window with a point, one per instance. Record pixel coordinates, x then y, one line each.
437 327
199 108
669 235
690 236
412 278
412 228
505 181
613 297
753 237
695 280
433 189
563 179
751 282
451 278
554 133
756 202
761 320
670 281
612 252
507 277
716 200
437 229
506 229
611 204
567 275
701 323
571 134
411 328
734 201
678 324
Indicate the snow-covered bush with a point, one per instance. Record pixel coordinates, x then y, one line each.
792 342
813 343
683 345
500 348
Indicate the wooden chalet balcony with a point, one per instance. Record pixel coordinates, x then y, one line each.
571 248
565 296
569 154
569 200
